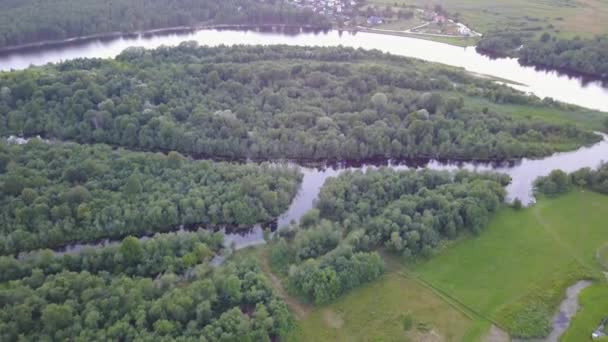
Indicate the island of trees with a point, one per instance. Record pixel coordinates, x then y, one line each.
277 102
55 193
31 21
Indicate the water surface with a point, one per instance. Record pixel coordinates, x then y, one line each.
542 83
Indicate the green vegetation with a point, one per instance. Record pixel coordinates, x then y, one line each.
54 193
559 182
519 268
550 31
377 311
409 212
279 102
582 56
170 252
593 309
564 18
226 304
31 21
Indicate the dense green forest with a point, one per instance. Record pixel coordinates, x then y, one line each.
409 213
54 193
230 303
30 21
321 264
559 182
585 56
174 252
577 55
277 102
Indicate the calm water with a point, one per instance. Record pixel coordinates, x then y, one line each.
523 173
541 83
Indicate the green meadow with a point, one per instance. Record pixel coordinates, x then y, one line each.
564 18
513 273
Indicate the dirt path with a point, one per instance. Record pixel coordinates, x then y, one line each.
299 310
496 335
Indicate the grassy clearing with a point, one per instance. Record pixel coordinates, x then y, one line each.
524 259
593 304
582 117
567 17
376 312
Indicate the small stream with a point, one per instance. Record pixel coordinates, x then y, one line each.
567 311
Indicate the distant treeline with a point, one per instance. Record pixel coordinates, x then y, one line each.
558 182
30 21
277 102
577 55
56 193
585 56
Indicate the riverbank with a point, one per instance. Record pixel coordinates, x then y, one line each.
160 31
452 40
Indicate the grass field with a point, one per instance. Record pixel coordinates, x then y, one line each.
582 117
593 308
524 258
568 17
375 312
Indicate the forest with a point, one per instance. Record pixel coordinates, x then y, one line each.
409 213
175 252
577 55
583 56
230 303
559 182
277 102
31 21
55 193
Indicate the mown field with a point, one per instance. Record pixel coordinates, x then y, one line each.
375 312
567 17
524 260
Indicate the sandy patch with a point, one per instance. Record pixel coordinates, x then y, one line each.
332 319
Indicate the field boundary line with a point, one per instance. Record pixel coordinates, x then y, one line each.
451 300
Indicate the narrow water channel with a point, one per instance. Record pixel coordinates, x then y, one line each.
522 172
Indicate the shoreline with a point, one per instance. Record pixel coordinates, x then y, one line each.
151 32
457 41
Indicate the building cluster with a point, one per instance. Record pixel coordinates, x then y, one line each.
331 8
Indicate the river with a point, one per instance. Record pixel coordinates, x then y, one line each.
552 84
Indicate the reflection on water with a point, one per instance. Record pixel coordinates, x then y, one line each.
522 172
542 83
